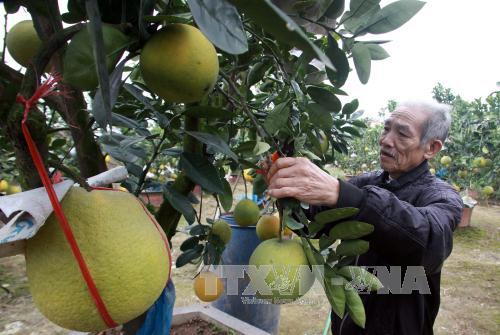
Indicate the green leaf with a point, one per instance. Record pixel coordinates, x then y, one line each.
201 172
277 118
325 98
99 51
189 243
355 23
257 72
355 306
112 145
134 169
99 109
362 61
298 92
57 143
350 107
189 256
12 6
179 202
123 121
360 277
334 289
335 9
352 247
280 25
215 142
246 148
319 116
221 23
313 257
345 261
325 242
138 94
393 16
339 60
361 7
291 222
359 123
335 214
376 51
314 227
351 130
199 229
259 185
260 148
226 197
350 230
209 112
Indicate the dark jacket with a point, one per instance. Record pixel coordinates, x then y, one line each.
414 218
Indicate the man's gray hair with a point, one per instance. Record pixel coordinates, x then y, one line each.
437 124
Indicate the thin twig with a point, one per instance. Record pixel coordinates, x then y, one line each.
75 176
244 182
156 151
216 207
262 131
275 56
4 37
198 217
55 130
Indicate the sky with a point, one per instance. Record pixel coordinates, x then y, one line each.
453 42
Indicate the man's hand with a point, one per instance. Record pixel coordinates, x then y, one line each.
299 178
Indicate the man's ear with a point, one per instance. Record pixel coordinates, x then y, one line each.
432 148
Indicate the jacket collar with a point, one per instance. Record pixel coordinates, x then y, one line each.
407 177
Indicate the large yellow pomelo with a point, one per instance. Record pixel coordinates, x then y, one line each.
23 42
289 276
124 251
179 63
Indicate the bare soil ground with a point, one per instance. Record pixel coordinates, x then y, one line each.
470 289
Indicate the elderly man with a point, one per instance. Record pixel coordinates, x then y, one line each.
413 212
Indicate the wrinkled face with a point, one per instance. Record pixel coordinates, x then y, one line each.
400 149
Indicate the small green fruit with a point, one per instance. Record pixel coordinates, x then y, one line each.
222 229
246 213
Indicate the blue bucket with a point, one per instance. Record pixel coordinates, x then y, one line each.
243 242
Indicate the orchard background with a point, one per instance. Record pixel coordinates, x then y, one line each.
279 88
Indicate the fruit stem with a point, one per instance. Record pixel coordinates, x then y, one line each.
280 211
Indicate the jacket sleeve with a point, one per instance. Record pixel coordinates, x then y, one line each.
405 234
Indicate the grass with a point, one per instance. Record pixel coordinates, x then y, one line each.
469 294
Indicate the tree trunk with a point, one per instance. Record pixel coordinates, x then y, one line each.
167 216
72 107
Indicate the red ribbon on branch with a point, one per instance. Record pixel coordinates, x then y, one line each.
46 89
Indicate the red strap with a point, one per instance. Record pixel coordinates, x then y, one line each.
46 89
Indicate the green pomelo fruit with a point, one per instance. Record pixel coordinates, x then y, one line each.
123 249
222 229
246 213
289 276
23 42
79 64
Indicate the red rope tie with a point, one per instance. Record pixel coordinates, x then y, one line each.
44 90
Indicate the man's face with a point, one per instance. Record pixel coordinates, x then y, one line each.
400 149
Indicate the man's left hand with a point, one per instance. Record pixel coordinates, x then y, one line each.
299 178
